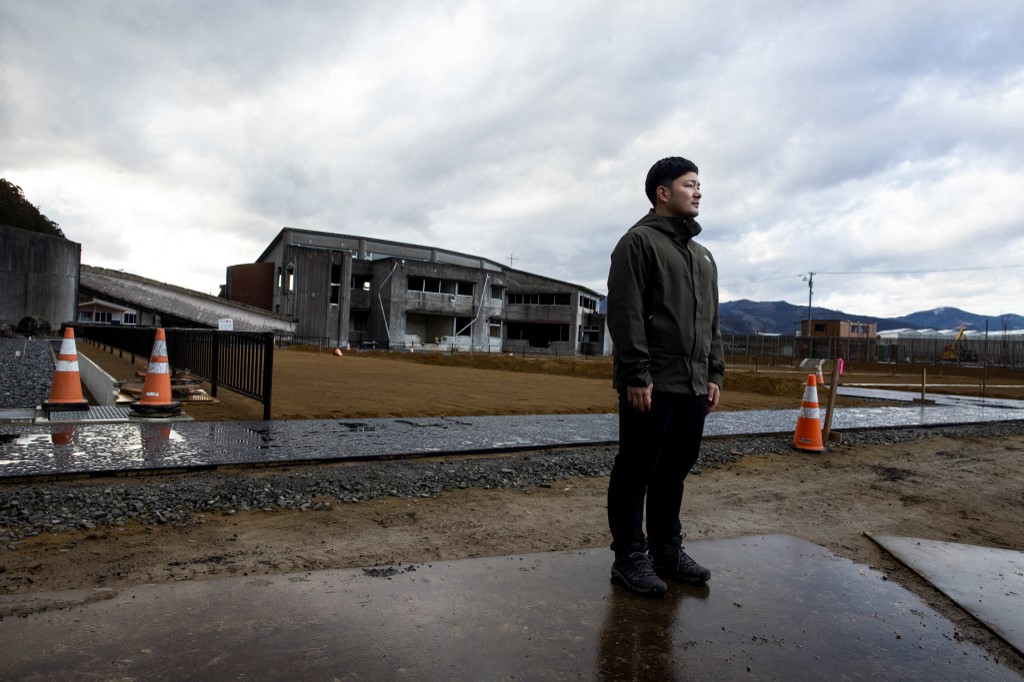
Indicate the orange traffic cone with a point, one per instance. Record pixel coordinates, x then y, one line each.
66 391
156 390
820 375
808 424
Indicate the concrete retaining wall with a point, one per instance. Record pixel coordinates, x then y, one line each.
38 276
99 384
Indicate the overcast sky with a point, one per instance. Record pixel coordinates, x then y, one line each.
878 144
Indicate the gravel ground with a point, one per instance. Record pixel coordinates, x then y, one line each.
30 509
25 380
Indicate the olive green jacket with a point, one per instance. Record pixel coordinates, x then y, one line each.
663 308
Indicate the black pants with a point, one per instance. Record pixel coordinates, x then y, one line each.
656 451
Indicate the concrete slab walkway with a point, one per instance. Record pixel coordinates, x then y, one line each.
777 608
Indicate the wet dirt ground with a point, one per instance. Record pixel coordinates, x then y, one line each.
966 490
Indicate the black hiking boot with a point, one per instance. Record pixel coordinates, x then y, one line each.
635 572
675 564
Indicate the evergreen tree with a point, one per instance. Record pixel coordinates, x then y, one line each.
16 211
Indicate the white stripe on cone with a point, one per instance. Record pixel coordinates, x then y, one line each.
67 365
159 349
67 347
158 368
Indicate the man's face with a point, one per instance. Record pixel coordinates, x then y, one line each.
682 198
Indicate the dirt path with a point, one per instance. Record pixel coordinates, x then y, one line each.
969 491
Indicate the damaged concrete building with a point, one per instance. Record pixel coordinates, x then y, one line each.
360 291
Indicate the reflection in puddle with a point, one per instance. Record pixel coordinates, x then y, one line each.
357 427
134 446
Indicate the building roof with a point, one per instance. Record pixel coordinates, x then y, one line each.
142 293
453 257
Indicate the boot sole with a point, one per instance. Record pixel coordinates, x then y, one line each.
653 592
668 575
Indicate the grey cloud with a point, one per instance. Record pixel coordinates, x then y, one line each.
795 116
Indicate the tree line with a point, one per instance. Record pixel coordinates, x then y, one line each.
16 211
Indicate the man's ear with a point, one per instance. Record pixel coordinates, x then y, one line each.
661 192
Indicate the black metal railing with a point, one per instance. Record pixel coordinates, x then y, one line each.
242 362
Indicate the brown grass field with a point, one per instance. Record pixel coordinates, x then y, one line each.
309 384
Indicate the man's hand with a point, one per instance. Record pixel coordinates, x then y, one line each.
639 397
714 393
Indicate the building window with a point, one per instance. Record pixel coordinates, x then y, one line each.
588 303
361 282
129 318
289 278
85 316
433 285
102 316
820 327
539 299
497 292
335 283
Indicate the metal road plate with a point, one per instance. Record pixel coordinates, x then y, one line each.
106 413
988 583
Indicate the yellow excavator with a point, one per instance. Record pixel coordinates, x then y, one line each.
953 352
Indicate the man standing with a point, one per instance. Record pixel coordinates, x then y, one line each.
668 369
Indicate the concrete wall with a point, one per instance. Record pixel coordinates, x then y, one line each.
38 276
320 309
97 382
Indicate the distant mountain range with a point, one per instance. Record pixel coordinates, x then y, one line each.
779 317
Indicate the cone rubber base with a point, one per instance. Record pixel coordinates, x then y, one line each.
168 410
810 447
84 405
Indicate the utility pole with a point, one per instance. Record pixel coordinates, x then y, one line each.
511 257
810 295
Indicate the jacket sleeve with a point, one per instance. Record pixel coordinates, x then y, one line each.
627 289
716 358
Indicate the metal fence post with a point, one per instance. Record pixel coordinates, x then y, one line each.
215 363
268 373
